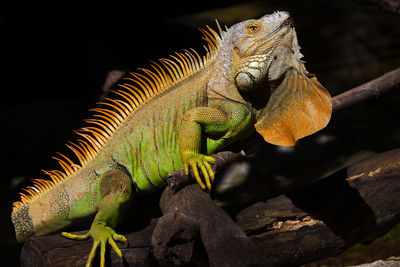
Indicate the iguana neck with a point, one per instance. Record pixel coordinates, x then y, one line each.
221 86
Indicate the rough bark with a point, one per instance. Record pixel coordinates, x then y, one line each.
189 214
357 204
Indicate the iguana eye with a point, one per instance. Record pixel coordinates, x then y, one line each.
253 28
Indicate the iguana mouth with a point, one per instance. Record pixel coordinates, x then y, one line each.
288 22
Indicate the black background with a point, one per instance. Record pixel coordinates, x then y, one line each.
55 56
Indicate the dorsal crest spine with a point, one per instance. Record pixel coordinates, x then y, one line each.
132 92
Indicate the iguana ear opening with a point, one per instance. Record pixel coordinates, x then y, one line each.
298 107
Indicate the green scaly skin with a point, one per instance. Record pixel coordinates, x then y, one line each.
178 128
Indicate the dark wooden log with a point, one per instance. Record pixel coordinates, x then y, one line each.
356 204
190 213
55 250
174 239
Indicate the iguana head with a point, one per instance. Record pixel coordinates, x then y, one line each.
254 43
267 71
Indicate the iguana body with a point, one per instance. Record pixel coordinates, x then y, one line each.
172 117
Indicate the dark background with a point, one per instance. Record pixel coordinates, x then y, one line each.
55 56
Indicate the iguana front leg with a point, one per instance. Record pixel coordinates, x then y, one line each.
115 191
214 122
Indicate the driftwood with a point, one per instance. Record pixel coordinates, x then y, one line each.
356 204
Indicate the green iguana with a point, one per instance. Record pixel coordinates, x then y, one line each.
172 116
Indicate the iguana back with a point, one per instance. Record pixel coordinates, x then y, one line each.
141 120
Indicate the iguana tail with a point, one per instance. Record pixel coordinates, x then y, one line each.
22 223
28 223
56 207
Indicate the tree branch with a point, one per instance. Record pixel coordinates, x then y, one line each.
367 90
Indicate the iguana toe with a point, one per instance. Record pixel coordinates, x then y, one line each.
198 161
101 235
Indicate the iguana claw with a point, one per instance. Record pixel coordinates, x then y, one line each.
101 236
195 161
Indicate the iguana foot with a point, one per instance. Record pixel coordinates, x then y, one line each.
195 161
101 235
